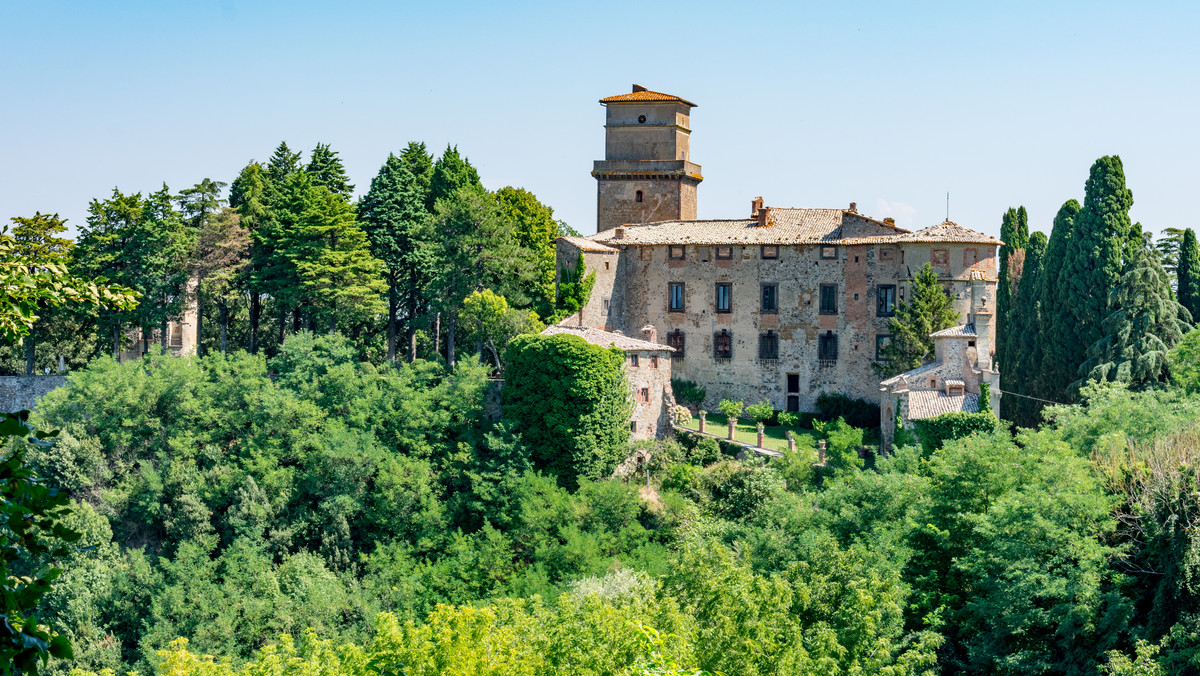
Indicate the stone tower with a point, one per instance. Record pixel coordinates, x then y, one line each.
646 174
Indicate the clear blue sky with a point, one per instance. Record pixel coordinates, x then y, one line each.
818 104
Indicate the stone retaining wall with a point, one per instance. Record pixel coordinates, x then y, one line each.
18 393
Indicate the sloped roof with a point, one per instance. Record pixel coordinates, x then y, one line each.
903 377
641 95
605 338
585 244
948 232
964 331
930 403
784 226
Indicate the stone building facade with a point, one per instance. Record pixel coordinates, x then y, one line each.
648 369
782 304
951 383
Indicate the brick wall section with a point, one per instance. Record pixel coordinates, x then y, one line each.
18 393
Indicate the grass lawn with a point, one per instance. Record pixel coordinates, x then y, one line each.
774 438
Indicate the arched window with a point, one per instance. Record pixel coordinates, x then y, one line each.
638 198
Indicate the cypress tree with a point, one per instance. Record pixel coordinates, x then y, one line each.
1188 273
1059 352
1143 323
1014 232
394 217
1026 346
327 170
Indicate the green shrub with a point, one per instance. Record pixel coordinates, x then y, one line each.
787 418
936 431
731 409
858 412
687 392
761 412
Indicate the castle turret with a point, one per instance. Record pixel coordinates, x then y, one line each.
646 174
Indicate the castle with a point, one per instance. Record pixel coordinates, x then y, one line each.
781 304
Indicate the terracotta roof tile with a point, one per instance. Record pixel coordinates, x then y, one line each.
948 232
585 244
605 338
785 226
930 403
641 94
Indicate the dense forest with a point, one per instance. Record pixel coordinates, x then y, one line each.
327 488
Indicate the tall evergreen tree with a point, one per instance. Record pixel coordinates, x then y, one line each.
201 201
1058 347
221 257
164 246
1188 274
1026 336
451 173
283 163
1169 241
1091 263
928 309
1014 232
248 195
334 268
476 251
420 163
1143 323
394 217
327 170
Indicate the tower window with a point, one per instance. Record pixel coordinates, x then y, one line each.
770 300
829 299
638 197
885 297
641 119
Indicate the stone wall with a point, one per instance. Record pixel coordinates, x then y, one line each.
644 273
653 407
18 393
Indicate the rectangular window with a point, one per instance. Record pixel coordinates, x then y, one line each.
768 345
827 346
724 297
676 252
881 341
722 345
829 304
645 395
885 300
645 253
970 257
653 361
770 251
939 256
604 304
724 253
793 383
793 403
886 253
770 298
633 426
675 341
633 361
828 253
675 294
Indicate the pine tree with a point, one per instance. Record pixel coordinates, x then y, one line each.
1143 323
394 218
1169 241
929 309
451 173
199 202
334 267
1026 330
327 170
1188 274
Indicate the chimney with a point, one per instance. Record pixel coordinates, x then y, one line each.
854 207
764 217
618 233
638 88
755 205
889 220
649 333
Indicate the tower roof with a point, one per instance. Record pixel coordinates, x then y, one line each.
642 95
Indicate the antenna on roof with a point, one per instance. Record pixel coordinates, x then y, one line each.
947 206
